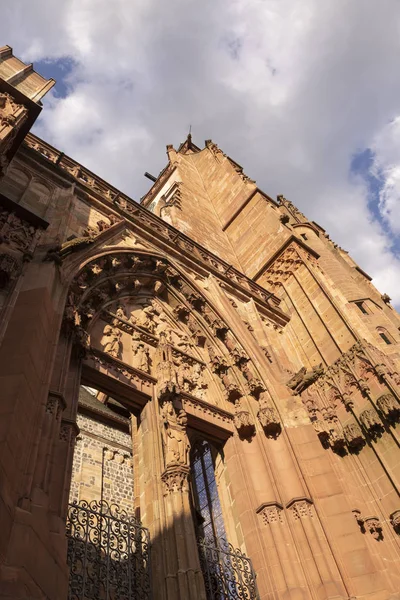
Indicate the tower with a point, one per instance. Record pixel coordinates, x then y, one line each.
241 394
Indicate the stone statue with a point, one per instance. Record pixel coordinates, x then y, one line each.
146 319
140 353
198 380
175 439
113 344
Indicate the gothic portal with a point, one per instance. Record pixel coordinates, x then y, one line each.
199 394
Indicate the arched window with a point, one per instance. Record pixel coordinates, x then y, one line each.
385 335
210 523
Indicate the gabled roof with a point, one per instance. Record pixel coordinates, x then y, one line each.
188 146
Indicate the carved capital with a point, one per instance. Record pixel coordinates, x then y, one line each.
175 479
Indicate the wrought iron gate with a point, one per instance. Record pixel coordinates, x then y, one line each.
228 574
108 553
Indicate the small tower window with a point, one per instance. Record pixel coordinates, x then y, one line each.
303 235
361 306
385 338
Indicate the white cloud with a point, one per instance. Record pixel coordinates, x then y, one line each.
290 90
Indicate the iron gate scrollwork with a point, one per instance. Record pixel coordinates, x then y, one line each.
228 573
108 553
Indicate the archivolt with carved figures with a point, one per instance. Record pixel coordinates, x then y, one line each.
137 308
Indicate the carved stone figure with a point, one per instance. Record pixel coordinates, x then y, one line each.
113 344
183 342
175 439
301 380
167 384
183 374
146 319
140 358
198 380
15 232
212 319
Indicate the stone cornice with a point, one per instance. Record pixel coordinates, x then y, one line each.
138 215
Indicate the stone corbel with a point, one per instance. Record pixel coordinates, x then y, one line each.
354 437
69 430
395 520
389 406
244 423
371 422
370 524
300 507
271 512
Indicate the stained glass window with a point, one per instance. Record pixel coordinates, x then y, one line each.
210 522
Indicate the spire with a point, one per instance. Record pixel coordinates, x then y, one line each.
188 146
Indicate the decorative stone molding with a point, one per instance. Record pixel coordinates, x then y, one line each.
271 512
10 269
138 216
136 377
300 508
17 233
89 235
175 479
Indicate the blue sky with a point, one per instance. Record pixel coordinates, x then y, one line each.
305 96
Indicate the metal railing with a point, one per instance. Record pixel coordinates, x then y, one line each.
108 553
228 573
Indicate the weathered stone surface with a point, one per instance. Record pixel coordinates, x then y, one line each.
208 312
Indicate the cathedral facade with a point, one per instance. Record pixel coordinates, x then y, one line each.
199 393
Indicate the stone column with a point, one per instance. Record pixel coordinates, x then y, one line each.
184 576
